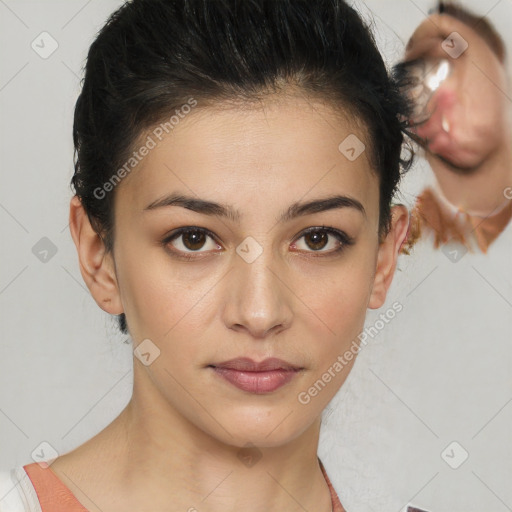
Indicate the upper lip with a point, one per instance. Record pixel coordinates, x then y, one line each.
248 365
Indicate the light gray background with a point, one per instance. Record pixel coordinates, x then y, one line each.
440 372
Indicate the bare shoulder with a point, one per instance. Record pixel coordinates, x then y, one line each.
92 471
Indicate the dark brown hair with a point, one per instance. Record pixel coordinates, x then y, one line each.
152 56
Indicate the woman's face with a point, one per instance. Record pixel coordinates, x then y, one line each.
251 283
469 108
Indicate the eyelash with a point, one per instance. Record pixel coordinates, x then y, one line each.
342 237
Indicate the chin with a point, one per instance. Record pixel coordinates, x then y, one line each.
272 431
455 159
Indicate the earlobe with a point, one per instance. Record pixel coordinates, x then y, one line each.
387 258
96 265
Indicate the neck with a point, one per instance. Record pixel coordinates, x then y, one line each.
480 191
152 456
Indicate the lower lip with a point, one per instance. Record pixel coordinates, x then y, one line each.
256 382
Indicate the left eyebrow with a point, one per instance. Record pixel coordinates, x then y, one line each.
295 210
321 205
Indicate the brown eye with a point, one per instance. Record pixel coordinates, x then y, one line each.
318 238
193 240
189 240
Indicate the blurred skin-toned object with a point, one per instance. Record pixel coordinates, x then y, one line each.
454 71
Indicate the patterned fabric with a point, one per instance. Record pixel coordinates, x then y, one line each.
432 214
54 496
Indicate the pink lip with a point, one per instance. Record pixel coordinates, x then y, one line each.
263 377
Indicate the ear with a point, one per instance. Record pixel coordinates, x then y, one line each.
387 257
96 265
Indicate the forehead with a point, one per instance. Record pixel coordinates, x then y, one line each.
256 158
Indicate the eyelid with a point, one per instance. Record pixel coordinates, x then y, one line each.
338 233
343 238
176 233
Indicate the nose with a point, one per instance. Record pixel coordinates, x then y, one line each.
440 108
257 297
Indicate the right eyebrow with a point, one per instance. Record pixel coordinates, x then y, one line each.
295 210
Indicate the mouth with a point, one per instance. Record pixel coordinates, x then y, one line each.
256 377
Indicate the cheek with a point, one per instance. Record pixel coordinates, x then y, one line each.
484 101
166 300
157 295
340 301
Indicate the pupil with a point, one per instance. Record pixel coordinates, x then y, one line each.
194 240
318 239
